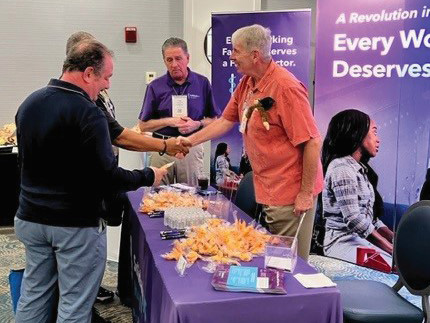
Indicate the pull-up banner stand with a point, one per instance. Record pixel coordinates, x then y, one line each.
290 48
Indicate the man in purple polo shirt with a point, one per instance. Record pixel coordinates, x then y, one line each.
178 104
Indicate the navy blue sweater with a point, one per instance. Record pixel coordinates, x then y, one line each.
66 158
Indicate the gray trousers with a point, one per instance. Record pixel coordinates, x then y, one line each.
184 170
73 259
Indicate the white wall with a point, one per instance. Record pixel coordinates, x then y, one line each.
33 37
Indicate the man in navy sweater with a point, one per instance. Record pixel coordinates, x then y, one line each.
67 165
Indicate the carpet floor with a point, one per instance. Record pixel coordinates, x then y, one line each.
12 256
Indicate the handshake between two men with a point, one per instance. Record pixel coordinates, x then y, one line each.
175 147
179 147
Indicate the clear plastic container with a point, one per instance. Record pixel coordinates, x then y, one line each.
183 217
281 253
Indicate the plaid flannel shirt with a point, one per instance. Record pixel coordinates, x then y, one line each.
222 168
348 198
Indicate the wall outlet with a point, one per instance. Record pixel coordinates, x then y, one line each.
150 76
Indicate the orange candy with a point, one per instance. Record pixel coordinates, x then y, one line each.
168 199
220 242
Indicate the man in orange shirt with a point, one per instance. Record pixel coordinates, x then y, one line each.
286 158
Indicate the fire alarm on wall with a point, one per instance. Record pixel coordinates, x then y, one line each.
130 34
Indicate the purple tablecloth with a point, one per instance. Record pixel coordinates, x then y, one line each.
160 295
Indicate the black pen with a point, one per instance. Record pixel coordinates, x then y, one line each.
156 214
174 231
173 236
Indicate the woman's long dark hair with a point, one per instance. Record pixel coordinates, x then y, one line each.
221 149
345 134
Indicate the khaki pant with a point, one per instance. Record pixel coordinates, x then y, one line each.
184 170
282 221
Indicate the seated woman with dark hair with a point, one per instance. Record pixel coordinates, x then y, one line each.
222 164
350 188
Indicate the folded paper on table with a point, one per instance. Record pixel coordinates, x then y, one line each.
314 280
279 263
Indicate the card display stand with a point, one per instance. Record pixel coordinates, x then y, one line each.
369 257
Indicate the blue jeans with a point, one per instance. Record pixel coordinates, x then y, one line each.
71 258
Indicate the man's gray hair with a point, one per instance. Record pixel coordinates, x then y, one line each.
87 53
76 38
254 37
174 42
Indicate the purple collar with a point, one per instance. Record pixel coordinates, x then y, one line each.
189 80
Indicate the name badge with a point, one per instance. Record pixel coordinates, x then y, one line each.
179 106
244 122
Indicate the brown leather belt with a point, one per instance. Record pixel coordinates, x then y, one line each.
160 136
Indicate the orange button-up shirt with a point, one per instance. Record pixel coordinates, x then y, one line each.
276 155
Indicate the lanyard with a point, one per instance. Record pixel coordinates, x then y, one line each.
183 91
107 103
246 103
109 107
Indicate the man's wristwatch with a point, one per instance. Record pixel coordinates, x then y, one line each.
165 148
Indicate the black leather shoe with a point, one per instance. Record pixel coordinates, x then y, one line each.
104 296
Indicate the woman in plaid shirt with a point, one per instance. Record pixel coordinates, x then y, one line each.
222 164
348 197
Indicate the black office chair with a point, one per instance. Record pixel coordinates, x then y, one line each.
370 301
425 190
245 197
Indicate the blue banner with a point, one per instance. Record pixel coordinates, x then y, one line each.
290 49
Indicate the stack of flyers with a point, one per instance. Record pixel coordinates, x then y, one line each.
249 279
